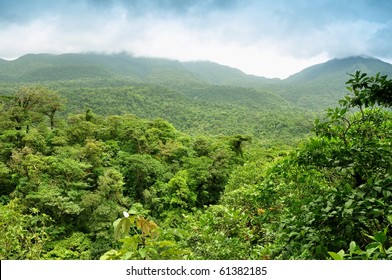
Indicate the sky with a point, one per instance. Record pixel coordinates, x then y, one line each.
274 38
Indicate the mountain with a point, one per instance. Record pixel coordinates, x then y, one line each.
322 85
337 70
47 67
217 74
197 97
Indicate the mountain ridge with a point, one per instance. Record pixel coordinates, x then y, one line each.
315 88
339 66
197 97
37 67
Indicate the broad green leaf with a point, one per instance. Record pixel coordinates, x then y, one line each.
336 256
122 226
143 253
117 229
353 246
343 111
381 237
115 223
109 255
373 245
370 251
128 256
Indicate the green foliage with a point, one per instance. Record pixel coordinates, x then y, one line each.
101 206
143 240
76 247
31 103
65 180
88 168
220 233
24 235
368 91
140 172
176 194
342 181
376 250
6 182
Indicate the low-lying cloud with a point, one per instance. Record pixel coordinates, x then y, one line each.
269 38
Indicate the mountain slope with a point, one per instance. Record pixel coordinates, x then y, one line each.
197 97
217 74
337 69
46 67
322 85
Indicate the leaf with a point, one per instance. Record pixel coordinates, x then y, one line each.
146 226
166 243
117 228
377 189
381 237
386 194
370 251
294 234
337 256
372 246
109 255
115 223
143 253
354 248
122 226
348 203
130 244
128 256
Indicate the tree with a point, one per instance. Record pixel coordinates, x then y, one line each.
31 102
51 104
368 91
236 143
337 188
140 172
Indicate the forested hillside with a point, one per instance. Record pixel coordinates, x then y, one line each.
319 86
196 97
117 157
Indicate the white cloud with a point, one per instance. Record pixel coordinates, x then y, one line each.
20 39
274 42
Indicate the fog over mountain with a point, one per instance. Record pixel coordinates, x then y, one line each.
264 38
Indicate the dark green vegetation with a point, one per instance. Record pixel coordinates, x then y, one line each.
116 157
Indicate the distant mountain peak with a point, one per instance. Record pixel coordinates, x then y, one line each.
338 68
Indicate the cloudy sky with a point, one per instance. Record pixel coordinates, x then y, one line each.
271 38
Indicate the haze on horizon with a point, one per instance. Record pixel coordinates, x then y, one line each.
265 38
